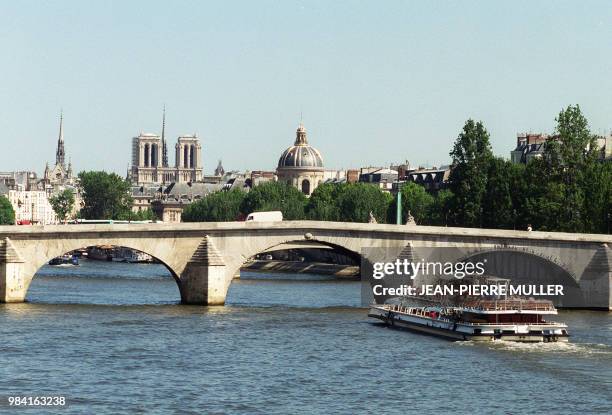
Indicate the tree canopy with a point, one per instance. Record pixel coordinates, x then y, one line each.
7 214
416 200
105 195
356 200
322 202
62 204
271 195
221 206
471 155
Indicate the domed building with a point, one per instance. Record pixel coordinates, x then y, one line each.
301 165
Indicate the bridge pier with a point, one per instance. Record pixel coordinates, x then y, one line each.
12 282
596 280
203 280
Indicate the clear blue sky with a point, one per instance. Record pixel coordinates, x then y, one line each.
377 82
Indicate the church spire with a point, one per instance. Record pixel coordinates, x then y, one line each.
60 154
163 139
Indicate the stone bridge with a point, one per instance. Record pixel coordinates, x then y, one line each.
204 257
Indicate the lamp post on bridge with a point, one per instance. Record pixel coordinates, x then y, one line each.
398 210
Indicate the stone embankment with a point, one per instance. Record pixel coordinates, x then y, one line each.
340 271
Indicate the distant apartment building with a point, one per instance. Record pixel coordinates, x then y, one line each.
532 145
382 177
433 179
334 175
352 175
32 206
604 144
261 176
19 180
528 147
168 201
169 211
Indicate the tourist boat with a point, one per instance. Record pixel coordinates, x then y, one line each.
132 256
64 260
100 252
514 319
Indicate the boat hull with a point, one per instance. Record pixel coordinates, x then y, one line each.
457 332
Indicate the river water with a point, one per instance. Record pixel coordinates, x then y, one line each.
112 338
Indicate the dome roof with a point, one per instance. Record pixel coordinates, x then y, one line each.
301 154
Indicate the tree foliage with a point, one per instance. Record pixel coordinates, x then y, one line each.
357 200
497 205
62 204
221 206
105 195
569 155
471 155
146 214
270 196
416 200
322 203
7 214
440 208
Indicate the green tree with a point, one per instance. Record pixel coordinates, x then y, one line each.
518 192
62 204
569 155
416 200
271 195
597 186
221 206
497 204
471 155
357 200
146 214
543 198
440 208
105 195
323 203
7 214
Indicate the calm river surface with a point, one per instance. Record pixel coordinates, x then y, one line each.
112 338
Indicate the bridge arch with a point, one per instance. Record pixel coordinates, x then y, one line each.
246 256
529 267
38 256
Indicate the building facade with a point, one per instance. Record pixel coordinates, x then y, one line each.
32 206
301 165
150 163
19 180
530 146
432 179
382 177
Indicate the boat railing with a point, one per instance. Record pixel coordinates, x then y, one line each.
416 311
510 305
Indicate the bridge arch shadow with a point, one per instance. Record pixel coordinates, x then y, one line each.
97 268
314 250
275 282
524 267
